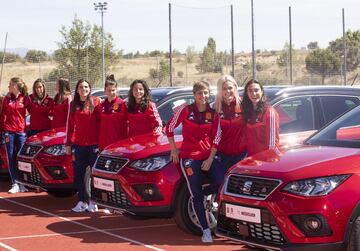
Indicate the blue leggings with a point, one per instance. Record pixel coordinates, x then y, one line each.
85 157
14 141
194 178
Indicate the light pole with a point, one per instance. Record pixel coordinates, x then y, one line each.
102 7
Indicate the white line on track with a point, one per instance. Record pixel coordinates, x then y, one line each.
83 232
7 247
83 225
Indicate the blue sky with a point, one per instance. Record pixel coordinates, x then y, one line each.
143 24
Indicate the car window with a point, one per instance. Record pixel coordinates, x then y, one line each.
333 106
296 115
166 109
342 132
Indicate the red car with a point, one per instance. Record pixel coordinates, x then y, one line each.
306 198
136 175
42 163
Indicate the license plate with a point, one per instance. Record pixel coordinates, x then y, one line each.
243 213
103 184
25 167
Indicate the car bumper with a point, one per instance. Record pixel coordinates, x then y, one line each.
130 187
338 246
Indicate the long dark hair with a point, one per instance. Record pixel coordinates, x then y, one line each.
64 90
144 103
44 94
246 103
88 101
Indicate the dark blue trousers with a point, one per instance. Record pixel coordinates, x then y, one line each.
226 161
194 178
85 157
14 141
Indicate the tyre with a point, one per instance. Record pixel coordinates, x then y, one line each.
61 194
354 241
185 216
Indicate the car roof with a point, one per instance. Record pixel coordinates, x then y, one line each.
312 90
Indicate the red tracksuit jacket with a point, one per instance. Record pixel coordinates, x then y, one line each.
145 122
262 132
113 122
40 111
197 130
61 113
83 126
230 138
13 112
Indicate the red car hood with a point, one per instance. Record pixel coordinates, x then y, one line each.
141 146
48 138
300 163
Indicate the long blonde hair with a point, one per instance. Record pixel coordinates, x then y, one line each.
219 96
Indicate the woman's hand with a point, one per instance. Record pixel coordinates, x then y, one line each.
205 166
174 155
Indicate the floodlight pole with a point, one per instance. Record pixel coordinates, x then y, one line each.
102 7
253 41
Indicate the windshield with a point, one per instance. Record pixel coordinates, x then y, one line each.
343 132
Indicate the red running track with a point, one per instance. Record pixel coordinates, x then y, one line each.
39 222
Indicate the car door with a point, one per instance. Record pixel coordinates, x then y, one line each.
332 106
297 119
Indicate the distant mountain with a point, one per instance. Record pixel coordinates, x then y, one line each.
20 51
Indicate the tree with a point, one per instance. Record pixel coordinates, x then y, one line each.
190 54
313 45
34 56
353 49
284 58
210 60
80 53
323 62
9 57
158 76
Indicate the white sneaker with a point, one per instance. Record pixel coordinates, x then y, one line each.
92 207
206 237
14 189
80 207
108 211
22 188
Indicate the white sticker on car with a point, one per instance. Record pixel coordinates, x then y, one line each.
243 213
25 167
103 184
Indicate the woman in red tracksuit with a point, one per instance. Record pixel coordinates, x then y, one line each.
197 124
142 114
230 143
12 126
113 124
40 105
262 120
61 105
83 136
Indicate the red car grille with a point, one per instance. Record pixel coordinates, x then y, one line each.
32 178
108 164
29 150
266 232
246 186
115 199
